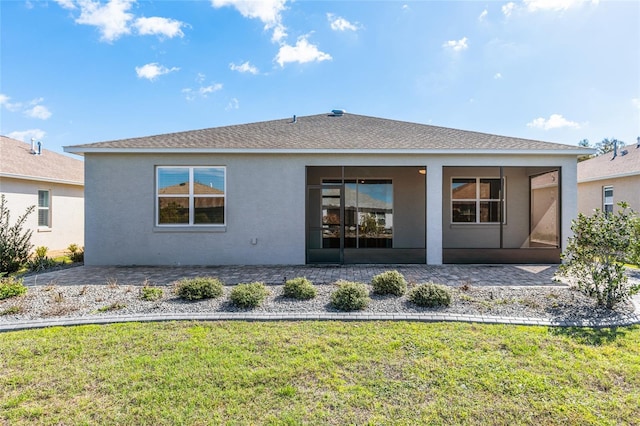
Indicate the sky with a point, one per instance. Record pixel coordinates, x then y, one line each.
82 71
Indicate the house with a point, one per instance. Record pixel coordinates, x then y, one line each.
327 188
606 180
53 183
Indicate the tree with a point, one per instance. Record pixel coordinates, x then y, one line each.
608 145
584 143
15 245
596 253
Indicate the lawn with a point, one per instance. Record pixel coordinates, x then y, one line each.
199 373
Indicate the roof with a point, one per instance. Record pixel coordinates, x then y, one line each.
17 161
607 167
329 133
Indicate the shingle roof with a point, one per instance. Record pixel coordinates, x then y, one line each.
17 161
604 167
325 132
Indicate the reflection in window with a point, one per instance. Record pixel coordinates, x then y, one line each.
475 200
191 195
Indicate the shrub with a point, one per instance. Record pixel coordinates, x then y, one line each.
596 252
634 252
199 288
350 296
150 293
389 282
249 295
76 254
41 261
300 288
10 287
430 295
15 244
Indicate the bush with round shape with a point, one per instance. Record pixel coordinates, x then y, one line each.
430 295
389 282
350 296
249 295
299 288
199 288
11 287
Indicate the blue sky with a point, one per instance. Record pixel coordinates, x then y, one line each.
80 71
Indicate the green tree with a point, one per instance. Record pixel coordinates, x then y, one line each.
608 145
15 245
584 143
596 253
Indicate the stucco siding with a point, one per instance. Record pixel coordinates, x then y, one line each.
67 211
624 189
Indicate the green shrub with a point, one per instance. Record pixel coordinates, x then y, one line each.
40 260
10 287
350 296
430 295
634 250
115 306
76 254
199 288
300 288
248 295
15 244
151 293
389 282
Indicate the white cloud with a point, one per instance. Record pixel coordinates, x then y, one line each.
153 71
507 9
10 106
190 94
483 15
456 45
302 52
209 89
159 26
267 11
555 121
244 67
233 104
38 111
112 18
66 4
340 24
26 135
555 5
497 76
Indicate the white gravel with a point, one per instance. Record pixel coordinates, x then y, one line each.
557 303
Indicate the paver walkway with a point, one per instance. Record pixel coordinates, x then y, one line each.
476 275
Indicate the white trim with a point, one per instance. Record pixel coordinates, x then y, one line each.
48 209
617 176
41 179
478 200
376 151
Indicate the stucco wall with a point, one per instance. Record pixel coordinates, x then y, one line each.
67 211
265 203
624 189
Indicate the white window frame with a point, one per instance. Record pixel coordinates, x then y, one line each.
478 200
47 209
191 197
604 198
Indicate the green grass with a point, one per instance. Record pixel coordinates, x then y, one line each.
320 373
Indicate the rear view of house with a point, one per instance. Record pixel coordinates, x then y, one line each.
327 188
608 179
53 183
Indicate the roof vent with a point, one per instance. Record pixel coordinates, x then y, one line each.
295 119
337 112
624 152
638 139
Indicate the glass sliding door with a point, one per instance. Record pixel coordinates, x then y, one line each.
324 224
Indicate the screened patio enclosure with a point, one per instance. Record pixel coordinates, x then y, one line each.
365 215
501 214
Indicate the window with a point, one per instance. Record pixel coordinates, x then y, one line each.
190 196
44 209
476 200
607 199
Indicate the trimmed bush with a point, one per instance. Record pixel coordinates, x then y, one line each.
249 295
150 293
389 282
11 287
350 296
299 288
199 288
430 295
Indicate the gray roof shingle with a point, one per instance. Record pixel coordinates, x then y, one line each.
325 132
604 167
17 161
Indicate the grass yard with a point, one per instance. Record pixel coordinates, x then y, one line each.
320 373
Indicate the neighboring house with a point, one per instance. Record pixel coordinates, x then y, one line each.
53 183
336 188
606 180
